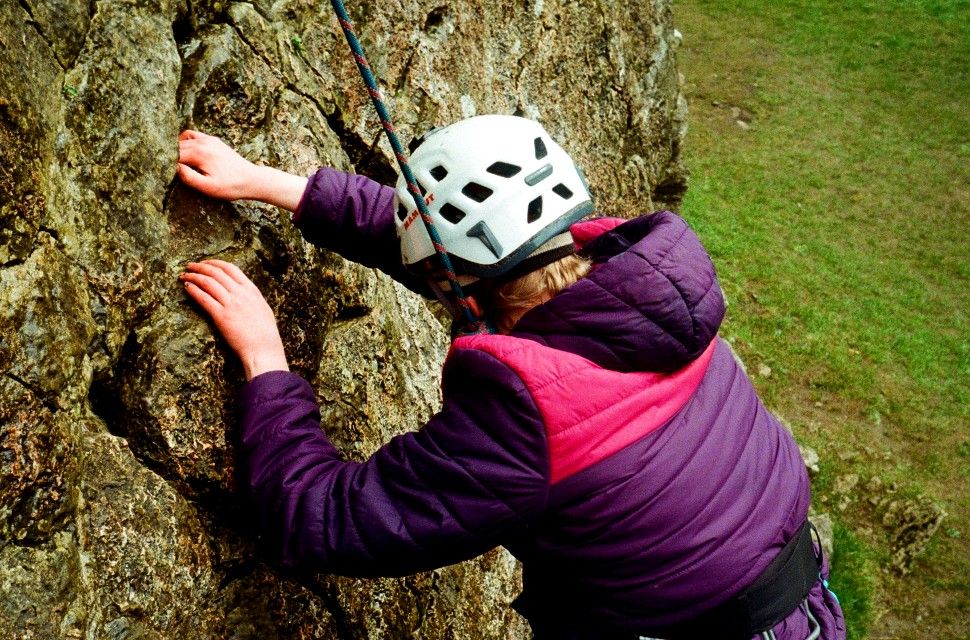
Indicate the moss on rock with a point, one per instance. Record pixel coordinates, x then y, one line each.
119 511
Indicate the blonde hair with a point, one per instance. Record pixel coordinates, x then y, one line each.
509 300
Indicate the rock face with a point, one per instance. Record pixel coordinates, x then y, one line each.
119 515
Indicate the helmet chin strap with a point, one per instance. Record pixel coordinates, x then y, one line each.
472 322
554 249
443 292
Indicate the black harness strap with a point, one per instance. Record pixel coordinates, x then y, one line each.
777 592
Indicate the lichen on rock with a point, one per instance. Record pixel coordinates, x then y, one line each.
120 515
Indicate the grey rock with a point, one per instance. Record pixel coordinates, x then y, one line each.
811 458
911 523
826 531
119 515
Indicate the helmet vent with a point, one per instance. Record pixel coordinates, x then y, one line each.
439 173
540 149
503 169
562 191
402 213
535 209
476 192
451 213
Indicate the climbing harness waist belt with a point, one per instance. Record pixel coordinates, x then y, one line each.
778 591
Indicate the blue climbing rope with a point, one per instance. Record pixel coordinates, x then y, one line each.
473 323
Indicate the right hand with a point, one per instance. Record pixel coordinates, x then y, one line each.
210 165
239 312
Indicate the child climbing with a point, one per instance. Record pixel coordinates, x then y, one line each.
604 434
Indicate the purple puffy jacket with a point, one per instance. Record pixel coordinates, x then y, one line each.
610 442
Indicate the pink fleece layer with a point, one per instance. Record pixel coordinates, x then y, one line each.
586 230
589 412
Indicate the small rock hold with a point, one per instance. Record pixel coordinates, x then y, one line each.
764 371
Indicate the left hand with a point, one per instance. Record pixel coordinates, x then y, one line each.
239 312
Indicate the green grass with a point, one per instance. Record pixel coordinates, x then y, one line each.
839 223
853 568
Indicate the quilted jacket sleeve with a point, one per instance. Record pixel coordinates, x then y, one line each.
475 475
354 216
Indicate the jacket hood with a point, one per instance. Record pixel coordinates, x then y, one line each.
651 303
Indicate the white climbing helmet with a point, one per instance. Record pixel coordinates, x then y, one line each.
499 190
